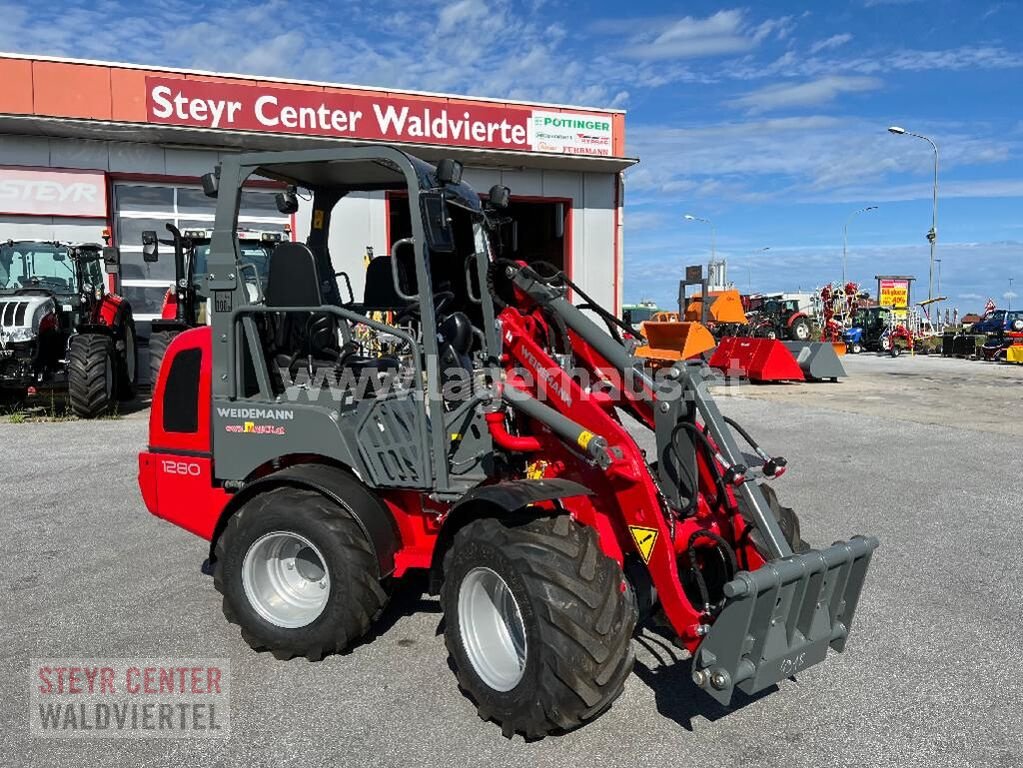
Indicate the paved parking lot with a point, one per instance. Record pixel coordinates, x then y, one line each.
931 676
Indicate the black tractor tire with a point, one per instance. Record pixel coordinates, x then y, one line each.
895 350
856 348
771 334
355 597
800 330
158 343
91 374
787 519
127 373
577 611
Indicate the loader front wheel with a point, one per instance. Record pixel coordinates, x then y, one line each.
297 574
538 622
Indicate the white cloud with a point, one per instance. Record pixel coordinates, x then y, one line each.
835 41
726 32
811 93
1010 295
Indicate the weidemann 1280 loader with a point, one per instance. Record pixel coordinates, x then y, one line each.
478 437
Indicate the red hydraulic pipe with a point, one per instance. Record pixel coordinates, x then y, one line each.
508 441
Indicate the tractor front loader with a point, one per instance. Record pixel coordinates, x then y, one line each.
484 445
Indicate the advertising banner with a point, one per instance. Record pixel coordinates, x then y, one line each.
375 116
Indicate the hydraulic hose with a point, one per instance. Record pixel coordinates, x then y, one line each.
701 583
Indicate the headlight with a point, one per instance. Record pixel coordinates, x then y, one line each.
19 334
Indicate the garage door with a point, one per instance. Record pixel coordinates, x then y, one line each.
138 207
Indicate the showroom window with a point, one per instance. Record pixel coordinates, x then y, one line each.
139 207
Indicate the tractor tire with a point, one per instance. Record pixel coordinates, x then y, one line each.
771 334
91 374
856 348
787 519
298 575
158 343
538 622
800 329
127 361
895 350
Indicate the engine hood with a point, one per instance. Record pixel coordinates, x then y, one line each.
17 313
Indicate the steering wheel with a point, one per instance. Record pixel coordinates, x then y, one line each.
441 299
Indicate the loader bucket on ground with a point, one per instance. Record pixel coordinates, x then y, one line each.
817 360
673 341
781 618
759 360
1014 354
724 307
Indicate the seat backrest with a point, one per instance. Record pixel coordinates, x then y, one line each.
293 279
379 293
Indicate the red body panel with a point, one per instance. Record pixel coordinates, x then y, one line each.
176 472
105 313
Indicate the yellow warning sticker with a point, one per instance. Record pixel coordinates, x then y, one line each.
584 438
317 219
645 539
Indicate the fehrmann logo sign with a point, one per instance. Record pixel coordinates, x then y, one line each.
363 115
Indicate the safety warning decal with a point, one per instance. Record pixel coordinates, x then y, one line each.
645 539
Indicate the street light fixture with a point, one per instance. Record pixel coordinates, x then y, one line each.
932 236
845 236
713 233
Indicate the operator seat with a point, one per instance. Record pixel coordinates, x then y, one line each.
379 294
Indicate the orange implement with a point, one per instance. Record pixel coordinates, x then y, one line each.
670 341
723 307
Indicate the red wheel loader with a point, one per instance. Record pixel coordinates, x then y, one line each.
325 456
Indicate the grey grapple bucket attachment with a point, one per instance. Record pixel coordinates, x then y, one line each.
780 619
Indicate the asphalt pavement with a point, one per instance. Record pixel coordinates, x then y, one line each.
931 675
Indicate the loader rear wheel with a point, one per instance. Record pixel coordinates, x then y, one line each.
800 329
298 575
538 622
92 374
158 343
127 362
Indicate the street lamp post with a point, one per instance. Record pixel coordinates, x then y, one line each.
845 236
932 236
938 262
1009 297
749 267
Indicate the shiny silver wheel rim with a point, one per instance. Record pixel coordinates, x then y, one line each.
492 630
285 579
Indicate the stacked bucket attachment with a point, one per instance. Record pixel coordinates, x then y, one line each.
817 359
759 360
668 342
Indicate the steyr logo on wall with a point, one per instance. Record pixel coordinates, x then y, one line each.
46 192
358 115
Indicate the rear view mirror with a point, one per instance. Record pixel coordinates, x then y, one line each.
499 196
112 259
59 255
211 183
150 247
287 201
449 171
436 223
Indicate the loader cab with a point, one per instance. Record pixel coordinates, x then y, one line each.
379 383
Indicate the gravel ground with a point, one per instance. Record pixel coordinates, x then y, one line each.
931 676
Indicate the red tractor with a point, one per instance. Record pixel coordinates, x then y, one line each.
326 455
62 333
775 317
183 306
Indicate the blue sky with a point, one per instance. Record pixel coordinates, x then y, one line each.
768 118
